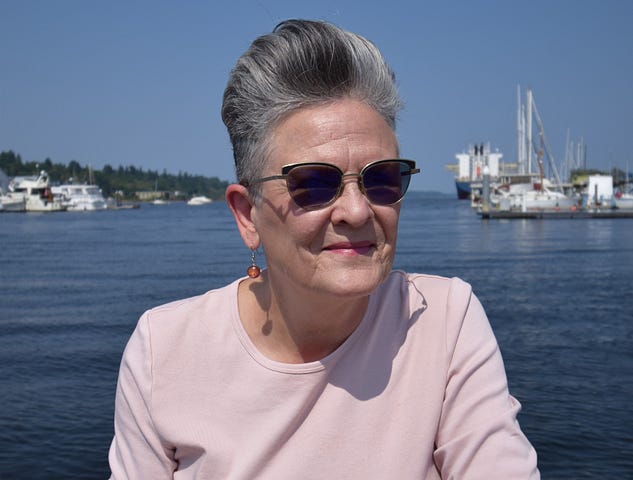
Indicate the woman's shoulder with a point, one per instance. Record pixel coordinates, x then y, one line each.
178 329
178 313
429 283
443 296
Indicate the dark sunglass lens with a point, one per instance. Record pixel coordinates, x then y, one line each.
313 186
386 183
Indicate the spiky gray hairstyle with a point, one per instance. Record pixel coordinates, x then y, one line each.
301 63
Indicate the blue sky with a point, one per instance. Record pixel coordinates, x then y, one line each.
140 82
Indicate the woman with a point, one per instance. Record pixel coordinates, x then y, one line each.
327 364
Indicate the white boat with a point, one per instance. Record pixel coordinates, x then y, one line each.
36 194
624 199
199 200
159 201
10 204
527 197
80 197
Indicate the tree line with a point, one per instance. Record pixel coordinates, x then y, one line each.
122 182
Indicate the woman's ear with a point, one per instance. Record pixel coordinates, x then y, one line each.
241 205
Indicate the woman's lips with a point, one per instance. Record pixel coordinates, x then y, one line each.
346 248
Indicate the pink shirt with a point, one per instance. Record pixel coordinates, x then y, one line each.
418 391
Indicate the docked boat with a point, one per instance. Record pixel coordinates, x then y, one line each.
470 167
529 197
36 194
623 196
528 189
80 197
199 200
8 203
624 201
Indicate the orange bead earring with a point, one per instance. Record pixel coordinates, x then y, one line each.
253 271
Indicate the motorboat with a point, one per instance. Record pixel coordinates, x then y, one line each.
36 194
199 200
80 197
8 203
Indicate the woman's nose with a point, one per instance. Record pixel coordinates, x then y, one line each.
352 206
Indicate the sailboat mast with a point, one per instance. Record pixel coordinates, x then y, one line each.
520 159
528 125
550 157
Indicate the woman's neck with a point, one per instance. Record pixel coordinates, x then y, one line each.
296 327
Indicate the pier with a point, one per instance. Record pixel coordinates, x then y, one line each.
492 214
543 210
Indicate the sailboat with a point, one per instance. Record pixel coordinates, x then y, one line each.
158 200
529 189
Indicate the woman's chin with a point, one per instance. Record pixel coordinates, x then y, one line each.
351 282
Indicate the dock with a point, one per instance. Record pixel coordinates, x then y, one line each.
493 214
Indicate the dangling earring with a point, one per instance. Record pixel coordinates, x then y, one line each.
253 271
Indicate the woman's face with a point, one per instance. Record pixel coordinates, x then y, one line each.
348 247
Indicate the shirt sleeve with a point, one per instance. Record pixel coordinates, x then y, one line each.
136 450
478 436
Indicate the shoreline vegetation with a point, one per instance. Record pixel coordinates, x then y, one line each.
133 184
126 183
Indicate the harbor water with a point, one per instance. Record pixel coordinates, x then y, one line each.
559 295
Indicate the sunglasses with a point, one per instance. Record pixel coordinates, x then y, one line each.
317 185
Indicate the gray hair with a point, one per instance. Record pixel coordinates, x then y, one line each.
301 63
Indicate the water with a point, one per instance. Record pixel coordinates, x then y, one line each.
558 293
